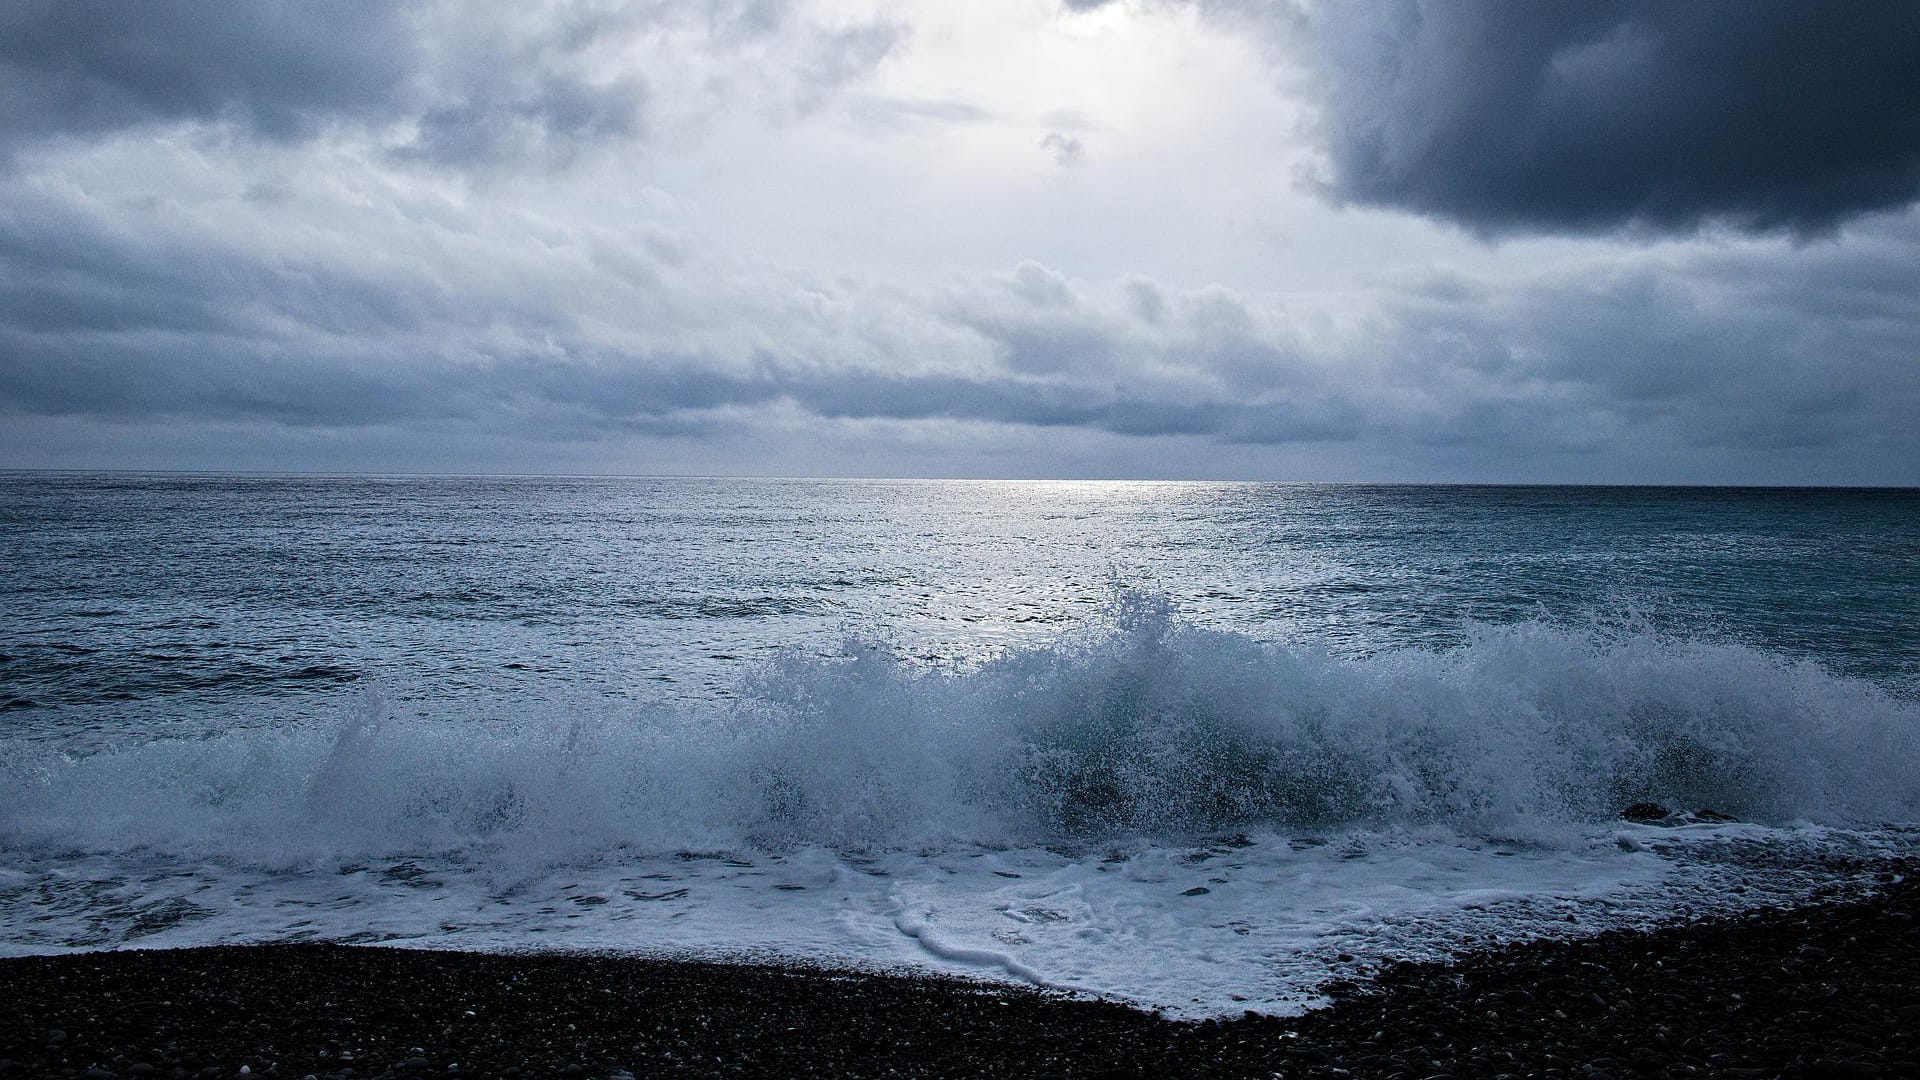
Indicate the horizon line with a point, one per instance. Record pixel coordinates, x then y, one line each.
396 474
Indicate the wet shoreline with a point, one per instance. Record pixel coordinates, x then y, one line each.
1823 989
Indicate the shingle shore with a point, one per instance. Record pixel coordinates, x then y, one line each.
1828 989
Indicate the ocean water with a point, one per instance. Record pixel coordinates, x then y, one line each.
1196 746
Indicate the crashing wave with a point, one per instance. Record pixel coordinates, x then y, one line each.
1138 724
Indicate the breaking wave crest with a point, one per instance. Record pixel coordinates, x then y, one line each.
1138 724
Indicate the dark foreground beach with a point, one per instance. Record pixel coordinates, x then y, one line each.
1828 989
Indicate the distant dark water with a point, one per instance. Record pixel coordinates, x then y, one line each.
177 602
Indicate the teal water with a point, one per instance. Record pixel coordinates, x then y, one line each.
169 602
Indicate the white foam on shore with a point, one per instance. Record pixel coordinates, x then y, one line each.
1196 931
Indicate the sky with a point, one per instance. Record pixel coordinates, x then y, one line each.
1619 242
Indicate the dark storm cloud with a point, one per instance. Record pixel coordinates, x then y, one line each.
1761 115
462 94
451 85
276 69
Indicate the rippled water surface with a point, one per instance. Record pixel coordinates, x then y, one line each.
1185 744
175 602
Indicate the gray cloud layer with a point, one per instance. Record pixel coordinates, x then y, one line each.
470 322
368 234
74 68
436 82
1502 116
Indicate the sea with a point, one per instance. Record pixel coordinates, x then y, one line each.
1200 747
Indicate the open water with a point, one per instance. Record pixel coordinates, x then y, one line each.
1197 746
